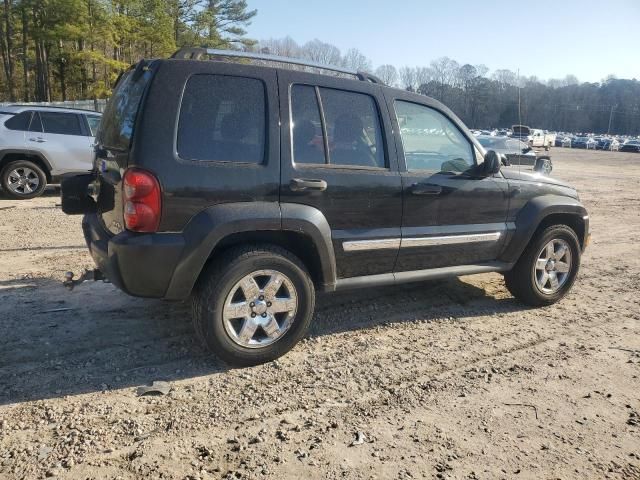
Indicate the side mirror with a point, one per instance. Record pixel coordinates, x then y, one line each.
491 163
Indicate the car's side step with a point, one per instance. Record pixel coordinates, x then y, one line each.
420 275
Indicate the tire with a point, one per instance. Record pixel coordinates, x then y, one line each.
544 166
219 291
523 281
23 180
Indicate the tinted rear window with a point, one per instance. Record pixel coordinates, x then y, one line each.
119 116
19 121
307 136
353 126
222 118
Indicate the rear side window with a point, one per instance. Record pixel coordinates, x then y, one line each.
19 121
222 118
61 123
307 137
120 114
94 123
36 123
353 127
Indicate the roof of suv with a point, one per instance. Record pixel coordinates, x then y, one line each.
199 53
17 108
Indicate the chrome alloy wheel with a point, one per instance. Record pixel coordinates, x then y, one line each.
553 266
23 181
260 308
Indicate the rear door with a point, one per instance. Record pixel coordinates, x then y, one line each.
336 158
64 138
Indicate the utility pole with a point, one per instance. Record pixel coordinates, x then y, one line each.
611 118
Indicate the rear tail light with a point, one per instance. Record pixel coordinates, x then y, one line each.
142 202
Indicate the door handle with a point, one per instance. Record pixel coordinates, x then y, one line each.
39 140
301 184
425 189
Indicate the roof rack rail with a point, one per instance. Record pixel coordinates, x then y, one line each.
197 53
44 105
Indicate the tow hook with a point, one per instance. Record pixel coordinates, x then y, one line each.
95 275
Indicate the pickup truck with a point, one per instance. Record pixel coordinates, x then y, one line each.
534 136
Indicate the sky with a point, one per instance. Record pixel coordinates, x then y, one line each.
549 39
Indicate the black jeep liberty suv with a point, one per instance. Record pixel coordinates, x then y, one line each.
247 182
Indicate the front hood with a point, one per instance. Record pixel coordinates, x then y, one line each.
534 177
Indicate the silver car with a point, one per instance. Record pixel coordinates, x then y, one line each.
40 144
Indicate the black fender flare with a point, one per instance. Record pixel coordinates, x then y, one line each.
310 221
209 227
533 214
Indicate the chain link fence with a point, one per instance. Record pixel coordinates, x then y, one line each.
94 105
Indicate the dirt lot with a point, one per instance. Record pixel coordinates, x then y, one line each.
449 379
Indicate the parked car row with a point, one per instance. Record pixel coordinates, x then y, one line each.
543 138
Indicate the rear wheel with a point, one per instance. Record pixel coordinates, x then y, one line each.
23 180
547 268
253 304
544 166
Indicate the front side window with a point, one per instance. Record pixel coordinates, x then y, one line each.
19 121
61 123
353 127
222 118
431 141
306 128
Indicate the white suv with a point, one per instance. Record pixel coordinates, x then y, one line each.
40 144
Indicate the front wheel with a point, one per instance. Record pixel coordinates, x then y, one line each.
547 268
253 304
23 180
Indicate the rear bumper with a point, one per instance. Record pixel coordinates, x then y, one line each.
139 264
586 240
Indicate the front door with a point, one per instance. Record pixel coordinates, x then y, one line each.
335 158
451 215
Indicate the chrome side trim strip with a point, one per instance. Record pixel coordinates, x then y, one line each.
419 275
386 243
450 239
361 245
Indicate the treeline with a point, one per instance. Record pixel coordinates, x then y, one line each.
501 98
75 49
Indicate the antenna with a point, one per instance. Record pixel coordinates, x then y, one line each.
519 115
613 107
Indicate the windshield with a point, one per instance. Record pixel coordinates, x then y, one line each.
520 130
485 142
118 120
491 142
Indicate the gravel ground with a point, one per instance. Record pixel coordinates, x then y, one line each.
447 379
